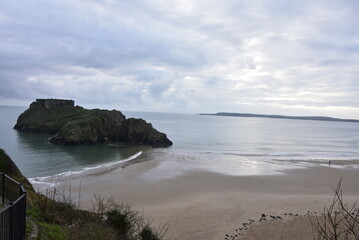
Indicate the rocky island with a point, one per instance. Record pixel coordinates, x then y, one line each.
74 125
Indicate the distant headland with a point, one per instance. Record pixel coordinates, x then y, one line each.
315 118
74 125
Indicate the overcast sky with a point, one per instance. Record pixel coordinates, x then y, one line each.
272 57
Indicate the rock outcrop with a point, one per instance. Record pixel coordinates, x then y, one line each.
73 125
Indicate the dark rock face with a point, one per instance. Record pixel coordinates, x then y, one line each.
73 125
96 126
138 130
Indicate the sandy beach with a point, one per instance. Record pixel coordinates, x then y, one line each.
205 205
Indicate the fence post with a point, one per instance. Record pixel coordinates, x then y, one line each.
11 227
22 214
3 188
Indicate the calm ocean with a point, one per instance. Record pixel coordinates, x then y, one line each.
226 145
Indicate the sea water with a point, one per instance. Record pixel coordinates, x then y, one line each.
225 145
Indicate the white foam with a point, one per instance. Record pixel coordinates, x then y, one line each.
41 183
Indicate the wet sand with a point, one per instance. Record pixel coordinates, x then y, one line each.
205 205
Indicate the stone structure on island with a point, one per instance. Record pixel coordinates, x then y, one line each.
74 125
51 103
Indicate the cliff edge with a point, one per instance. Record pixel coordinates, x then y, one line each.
8 167
74 125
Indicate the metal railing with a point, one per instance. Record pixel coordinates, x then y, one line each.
13 209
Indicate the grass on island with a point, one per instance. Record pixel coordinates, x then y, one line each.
51 120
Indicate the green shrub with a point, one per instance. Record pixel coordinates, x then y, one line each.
148 233
119 221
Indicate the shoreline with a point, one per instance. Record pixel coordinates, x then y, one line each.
207 205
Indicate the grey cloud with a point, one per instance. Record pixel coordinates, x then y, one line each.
62 37
191 55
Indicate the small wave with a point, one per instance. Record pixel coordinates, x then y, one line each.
292 156
50 181
42 184
259 154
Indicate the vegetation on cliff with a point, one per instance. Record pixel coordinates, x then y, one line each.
38 119
74 125
8 167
